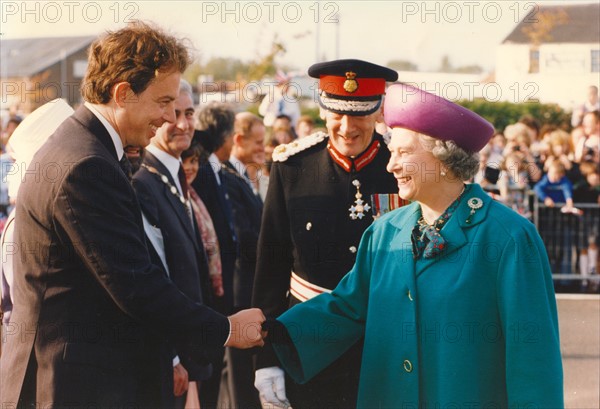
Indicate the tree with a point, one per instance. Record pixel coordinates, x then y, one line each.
220 68
402 65
445 65
540 31
265 66
469 69
234 69
192 73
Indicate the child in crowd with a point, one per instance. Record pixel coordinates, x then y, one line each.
587 190
560 149
514 182
555 187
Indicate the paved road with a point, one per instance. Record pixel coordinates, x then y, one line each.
579 320
579 317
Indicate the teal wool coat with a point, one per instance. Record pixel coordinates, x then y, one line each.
475 327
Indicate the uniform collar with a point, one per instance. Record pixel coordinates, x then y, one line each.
357 163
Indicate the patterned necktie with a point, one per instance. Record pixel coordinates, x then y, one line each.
183 182
126 166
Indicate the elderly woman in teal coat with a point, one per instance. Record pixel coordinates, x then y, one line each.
452 293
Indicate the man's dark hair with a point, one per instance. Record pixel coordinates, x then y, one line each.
134 54
215 123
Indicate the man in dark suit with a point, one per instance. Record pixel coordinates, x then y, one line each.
162 192
317 207
247 154
214 133
86 292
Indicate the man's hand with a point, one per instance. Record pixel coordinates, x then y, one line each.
246 331
180 380
270 383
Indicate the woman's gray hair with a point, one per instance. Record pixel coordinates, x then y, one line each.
460 163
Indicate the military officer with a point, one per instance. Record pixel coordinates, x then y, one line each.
324 191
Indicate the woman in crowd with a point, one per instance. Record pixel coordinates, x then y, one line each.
31 134
191 160
513 183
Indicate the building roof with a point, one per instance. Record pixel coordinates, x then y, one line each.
582 25
25 57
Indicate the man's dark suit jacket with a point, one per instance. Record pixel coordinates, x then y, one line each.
184 253
247 213
85 288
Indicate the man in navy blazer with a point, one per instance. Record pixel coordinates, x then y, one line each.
86 292
214 133
242 187
162 192
246 156
214 130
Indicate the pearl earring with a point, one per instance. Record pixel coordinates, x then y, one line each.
443 172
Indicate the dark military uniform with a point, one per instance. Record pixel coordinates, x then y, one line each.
308 228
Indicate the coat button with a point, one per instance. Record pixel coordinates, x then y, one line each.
352 249
408 366
308 226
409 295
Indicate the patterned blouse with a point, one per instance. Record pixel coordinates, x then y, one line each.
427 242
207 233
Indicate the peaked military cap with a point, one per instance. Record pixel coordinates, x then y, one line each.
351 87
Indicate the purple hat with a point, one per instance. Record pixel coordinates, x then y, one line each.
408 107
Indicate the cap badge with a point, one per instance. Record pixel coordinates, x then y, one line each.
350 85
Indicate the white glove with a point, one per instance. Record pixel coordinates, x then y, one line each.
270 383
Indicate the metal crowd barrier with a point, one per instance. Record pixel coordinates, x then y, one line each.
571 242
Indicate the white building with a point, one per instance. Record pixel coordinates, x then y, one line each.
563 63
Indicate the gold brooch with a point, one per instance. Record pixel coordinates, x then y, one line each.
350 85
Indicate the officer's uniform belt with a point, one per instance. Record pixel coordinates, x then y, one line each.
304 290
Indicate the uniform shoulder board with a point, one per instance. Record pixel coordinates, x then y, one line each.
387 137
283 152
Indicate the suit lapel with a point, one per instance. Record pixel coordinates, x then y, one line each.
247 189
85 117
224 200
178 207
88 120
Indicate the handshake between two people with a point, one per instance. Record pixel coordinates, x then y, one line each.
247 329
